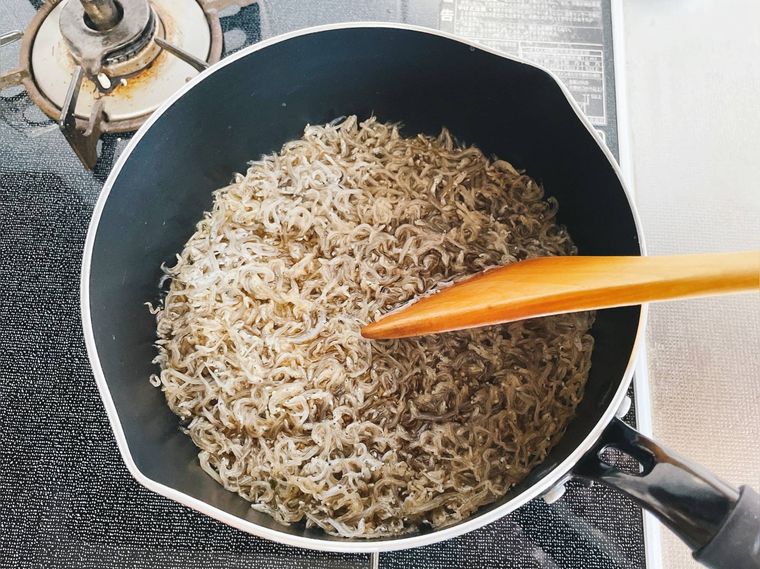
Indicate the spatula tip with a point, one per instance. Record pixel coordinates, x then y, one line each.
373 331
389 327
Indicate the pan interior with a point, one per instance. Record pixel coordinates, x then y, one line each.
260 101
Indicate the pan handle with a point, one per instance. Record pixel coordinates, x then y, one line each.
719 523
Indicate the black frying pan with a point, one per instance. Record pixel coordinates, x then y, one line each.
255 101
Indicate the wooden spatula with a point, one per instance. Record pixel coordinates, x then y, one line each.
553 285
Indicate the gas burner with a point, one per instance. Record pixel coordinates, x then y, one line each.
103 66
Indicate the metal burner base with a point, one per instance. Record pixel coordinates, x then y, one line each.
190 37
127 106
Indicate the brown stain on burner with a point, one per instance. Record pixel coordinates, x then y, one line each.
140 79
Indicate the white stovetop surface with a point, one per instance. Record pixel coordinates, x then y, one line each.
693 98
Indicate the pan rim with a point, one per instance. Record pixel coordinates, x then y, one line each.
345 545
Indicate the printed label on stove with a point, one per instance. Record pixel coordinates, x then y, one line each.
565 36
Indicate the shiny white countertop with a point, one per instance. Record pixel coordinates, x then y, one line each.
693 107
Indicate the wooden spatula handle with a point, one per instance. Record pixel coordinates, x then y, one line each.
553 285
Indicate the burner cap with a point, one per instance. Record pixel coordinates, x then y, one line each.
118 34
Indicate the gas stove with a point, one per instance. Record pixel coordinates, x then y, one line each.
77 77
98 66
